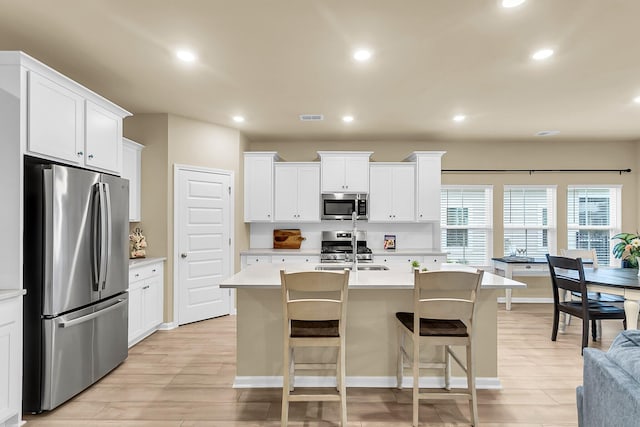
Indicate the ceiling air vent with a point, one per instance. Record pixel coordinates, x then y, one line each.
547 132
311 117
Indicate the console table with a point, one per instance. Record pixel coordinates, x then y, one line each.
519 266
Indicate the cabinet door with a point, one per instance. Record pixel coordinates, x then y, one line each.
286 193
429 188
309 193
403 193
103 139
131 157
10 358
152 303
56 120
136 311
356 174
258 186
333 173
380 194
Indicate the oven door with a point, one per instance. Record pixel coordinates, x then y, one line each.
337 208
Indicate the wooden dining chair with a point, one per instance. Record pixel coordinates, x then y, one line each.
567 275
314 312
444 311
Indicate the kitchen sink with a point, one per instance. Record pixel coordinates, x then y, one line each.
330 267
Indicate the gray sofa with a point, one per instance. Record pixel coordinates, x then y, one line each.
610 394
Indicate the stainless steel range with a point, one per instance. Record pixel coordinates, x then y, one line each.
337 247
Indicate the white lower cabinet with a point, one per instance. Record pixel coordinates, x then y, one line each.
10 361
145 300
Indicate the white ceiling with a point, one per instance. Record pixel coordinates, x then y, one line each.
271 60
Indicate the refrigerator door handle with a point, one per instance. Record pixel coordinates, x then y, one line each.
95 237
103 236
69 323
108 235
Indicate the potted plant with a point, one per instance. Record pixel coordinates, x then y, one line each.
415 265
627 249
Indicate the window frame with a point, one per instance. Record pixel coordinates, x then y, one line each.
615 216
487 227
551 216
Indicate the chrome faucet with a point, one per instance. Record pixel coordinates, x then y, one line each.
354 241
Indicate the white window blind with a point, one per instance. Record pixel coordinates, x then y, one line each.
466 215
593 217
529 221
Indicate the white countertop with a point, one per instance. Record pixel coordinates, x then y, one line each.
139 262
11 293
316 251
267 276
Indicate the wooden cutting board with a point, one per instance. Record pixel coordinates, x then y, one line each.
287 239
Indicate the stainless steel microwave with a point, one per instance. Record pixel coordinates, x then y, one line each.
341 206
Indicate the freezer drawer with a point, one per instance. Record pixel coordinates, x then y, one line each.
81 347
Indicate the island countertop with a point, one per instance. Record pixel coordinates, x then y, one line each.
266 276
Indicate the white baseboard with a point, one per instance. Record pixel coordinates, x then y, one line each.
168 326
521 300
484 383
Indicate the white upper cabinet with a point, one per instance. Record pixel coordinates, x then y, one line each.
65 121
131 166
297 192
103 139
344 171
392 192
429 168
258 186
56 120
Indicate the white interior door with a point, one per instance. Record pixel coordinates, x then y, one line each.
203 243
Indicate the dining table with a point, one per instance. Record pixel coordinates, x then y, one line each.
617 281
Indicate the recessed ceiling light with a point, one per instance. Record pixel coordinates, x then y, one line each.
459 118
347 119
186 55
542 54
636 99
238 119
547 132
512 3
362 55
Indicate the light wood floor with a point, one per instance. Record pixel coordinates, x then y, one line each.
182 378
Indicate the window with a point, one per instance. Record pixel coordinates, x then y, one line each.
593 218
466 223
529 225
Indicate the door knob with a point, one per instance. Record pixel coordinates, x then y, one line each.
183 255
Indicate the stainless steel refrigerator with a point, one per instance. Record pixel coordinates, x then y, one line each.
76 277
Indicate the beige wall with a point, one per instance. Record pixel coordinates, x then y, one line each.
537 154
171 140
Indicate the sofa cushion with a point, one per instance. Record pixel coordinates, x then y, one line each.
610 396
625 352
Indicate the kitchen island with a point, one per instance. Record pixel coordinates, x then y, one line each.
374 298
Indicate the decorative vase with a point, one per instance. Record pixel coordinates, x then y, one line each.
638 262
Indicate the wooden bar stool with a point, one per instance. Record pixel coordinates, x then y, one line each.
315 309
444 309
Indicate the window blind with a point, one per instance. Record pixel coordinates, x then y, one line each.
529 226
592 219
466 223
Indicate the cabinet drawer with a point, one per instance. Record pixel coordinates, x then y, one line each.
259 259
296 259
534 268
144 272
